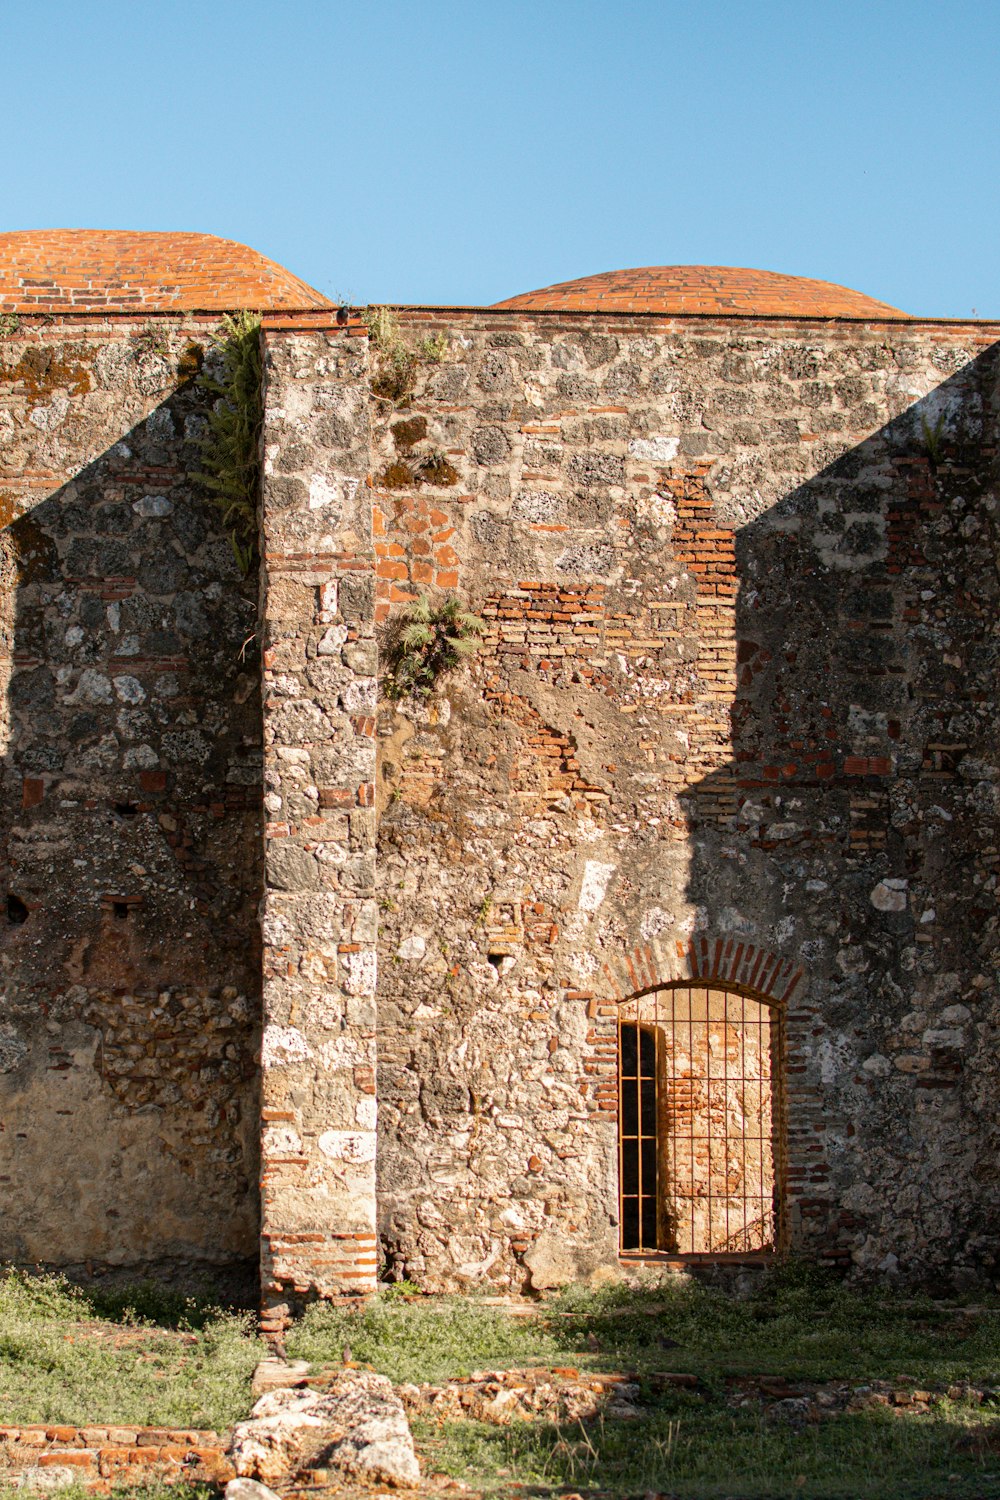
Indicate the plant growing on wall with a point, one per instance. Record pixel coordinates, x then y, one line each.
230 454
150 341
427 642
396 368
933 435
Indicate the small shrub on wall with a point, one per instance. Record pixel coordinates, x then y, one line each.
425 643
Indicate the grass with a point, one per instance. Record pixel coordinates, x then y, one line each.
423 1340
697 1443
396 361
230 454
139 1358
427 640
697 1450
144 1357
798 1325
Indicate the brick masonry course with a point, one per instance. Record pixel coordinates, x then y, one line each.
60 270
738 292
100 1458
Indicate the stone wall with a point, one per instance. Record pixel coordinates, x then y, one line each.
733 718
731 722
129 811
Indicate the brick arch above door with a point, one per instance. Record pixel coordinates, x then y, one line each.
729 962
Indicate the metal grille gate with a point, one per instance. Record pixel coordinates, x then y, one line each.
697 1068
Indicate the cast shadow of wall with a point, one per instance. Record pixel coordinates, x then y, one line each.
854 829
130 837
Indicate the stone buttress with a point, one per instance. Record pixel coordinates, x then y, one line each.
319 915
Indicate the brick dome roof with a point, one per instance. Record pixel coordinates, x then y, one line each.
704 289
59 270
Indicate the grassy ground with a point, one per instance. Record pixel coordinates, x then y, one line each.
140 1358
700 1444
798 1326
703 1451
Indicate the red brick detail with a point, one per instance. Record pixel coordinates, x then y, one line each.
708 552
867 765
703 289
99 1454
330 796
721 961
419 552
295 1268
32 791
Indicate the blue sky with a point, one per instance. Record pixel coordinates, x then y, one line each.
463 152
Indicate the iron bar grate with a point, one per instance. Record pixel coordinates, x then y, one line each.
697 1122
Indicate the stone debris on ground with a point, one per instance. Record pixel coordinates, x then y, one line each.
354 1426
279 1375
347 1429
502 1396
42 1481
801 1402
249 1489
562 1394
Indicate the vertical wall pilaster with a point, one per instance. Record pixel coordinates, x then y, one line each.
319 913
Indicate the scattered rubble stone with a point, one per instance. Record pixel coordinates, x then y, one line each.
503 1396
248 1489
813 1401
54 1477
278 1375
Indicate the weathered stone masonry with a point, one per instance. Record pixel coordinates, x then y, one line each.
320 925
732 724
735 716
129 812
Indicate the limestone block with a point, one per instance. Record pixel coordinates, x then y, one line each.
550 1262
357 1425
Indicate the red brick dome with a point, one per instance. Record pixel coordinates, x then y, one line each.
704 289
59 270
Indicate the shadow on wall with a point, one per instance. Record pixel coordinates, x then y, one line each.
130 837
854 830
